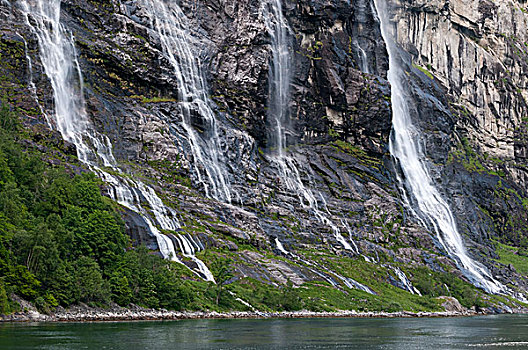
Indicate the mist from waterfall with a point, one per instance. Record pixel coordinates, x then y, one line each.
172 27
279 117
417 183
60 61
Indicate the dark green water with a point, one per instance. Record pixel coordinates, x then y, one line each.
491 332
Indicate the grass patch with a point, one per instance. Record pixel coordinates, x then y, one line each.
518 258
145 99
423 70
388 298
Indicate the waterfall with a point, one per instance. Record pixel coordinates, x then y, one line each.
171 26
360 18
280 247
188 246
405 148
59 59
404 282
280 75
347 281
279 115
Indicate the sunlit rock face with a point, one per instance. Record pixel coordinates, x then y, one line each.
477 51
471 56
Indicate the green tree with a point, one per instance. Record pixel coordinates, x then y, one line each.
4 301
120 288
89 282
223 272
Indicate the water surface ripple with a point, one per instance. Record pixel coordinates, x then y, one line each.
490 332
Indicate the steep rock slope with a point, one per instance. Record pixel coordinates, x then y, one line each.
475 52
341 121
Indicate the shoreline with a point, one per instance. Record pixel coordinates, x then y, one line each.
82 314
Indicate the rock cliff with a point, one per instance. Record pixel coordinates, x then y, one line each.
466 66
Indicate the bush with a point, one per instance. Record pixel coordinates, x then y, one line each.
58 234
4 301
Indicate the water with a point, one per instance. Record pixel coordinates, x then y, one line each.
360 14
405 282
171 26
59 59
405 147
491 332
280 247
280 74
189 245
279 118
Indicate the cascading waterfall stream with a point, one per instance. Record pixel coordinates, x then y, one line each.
405 148
280 76
171 25
278 113
360 12
59 58
347 281
404 280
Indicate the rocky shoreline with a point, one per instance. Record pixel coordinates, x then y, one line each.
88 314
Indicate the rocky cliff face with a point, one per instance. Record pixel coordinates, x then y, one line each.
466 66
475 54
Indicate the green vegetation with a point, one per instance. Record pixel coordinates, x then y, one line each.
55 229
358 152
471 160
510 226
145 99
423 70
62 242
430 283
517 257
435 284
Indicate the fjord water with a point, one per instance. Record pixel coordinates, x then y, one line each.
489 332
60 61
418 184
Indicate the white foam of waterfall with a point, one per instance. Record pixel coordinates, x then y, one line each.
279 73
405 148
59 59
349 282
280 247
189 247
364 60
404 280
278 112
353 284
243 302
172 27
